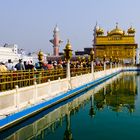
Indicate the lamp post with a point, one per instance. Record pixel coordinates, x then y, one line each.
122 64
83 59
118 62
40 58
68 55
79 58
92 61
115 62
111 62
104 59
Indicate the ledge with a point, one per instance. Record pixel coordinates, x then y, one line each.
17 117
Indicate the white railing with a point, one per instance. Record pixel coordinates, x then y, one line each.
56 115
20 98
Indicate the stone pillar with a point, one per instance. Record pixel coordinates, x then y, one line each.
133 60
17 97
110 65
68 70
92 69
115 65
104 60
35 92
104 65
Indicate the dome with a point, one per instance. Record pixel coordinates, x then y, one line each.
68 45
97 28
116 31
56 29
91 52
99 31
40 53
131 30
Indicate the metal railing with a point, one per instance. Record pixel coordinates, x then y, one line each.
8 80
79 71
98 68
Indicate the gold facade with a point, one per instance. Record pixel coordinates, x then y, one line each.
116 45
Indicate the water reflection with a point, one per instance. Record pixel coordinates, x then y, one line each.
116 94
92 112
68 132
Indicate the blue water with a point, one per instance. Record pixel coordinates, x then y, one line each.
110 113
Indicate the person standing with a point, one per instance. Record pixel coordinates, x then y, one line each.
20 65
10 65
2 67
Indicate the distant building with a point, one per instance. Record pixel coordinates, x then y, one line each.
9 52
14 47
56 41
79 52
87 50
13 53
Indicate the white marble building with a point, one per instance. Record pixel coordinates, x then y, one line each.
9 52
12 52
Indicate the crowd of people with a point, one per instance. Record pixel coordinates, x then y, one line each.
27 65
9 66
50 64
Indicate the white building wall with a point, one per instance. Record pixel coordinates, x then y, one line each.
8 53
11 52
14 47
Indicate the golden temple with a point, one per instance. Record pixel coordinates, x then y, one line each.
115 45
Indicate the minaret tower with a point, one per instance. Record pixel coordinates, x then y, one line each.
56 41
94 34
94 38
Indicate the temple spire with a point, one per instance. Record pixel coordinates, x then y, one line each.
116 25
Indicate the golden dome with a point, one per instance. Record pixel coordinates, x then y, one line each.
116 31
68 45
40 53
92 52
99 31
131 30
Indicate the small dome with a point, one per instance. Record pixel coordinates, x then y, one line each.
68 45
116 31
56 29
131 30
97 28
40 53
92 52
99 31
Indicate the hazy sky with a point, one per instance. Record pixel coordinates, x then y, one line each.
29 23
